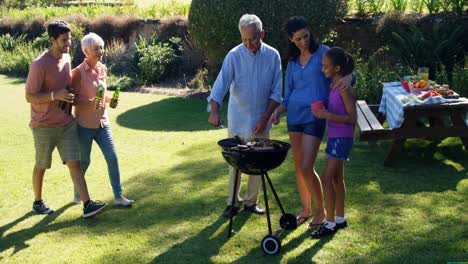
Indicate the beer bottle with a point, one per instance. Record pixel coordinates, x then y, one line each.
68 109
98 98
115 97
64 105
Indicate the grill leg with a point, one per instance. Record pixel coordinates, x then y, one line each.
267 209
236 180
274 193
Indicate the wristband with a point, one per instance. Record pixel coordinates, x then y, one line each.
52 95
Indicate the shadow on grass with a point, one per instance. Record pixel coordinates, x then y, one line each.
257 254
203 246
15 79
194 192
169 114
421 167
18 239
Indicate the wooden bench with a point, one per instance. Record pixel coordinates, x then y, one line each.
371 128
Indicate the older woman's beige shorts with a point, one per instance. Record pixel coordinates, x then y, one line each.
64 138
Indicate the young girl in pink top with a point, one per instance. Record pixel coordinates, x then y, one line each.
341 117
93 122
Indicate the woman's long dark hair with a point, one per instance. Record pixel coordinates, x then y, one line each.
295 24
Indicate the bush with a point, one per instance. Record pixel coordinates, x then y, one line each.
200 81
460 79
440 45
76 53
158 10
399 5
114 51
24 3
9 43
41 42
371 74
125 82
213 24
17 61
158 61
457 78
432 5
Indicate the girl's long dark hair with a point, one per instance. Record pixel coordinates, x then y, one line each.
295 24
341 58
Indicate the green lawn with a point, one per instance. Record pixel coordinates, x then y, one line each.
171 165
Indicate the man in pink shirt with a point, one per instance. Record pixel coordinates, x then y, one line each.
48 79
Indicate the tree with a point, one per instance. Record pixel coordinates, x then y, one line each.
213 24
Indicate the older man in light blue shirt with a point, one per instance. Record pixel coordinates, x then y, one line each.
252 73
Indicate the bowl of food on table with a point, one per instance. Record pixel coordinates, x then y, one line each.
418 86
407 79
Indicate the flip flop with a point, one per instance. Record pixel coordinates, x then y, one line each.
315 226
300 219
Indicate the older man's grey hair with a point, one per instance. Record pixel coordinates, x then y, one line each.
250 20
90 41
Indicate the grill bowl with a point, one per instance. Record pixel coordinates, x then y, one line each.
253 161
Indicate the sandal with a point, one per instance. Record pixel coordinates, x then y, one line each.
323 231
316 226
300 219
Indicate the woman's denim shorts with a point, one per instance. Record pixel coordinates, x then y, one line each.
314 128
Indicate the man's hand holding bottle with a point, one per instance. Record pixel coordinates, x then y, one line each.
64 95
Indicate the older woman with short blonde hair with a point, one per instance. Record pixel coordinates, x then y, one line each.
92 118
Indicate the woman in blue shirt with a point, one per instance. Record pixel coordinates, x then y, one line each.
305 83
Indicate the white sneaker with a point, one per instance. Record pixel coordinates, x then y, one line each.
122 201
76 200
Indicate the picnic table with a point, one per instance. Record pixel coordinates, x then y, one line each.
433 119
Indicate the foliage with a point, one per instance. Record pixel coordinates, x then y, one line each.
364 7
460 79
76 53
126 82
360 6
432 5
18 53
416 5
376 6
17 60
399 5
458 6
442 45
200 81
25 3
214 24
114 51
372 73
9 43
157 10
141 45
41 42
158 61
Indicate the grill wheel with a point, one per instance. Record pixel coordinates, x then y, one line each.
271 244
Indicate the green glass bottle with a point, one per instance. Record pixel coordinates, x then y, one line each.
115 97
98 98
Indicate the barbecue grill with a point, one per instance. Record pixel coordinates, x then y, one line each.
257 160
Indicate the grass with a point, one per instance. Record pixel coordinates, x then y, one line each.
413 213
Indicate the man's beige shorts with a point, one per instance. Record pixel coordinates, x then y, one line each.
64 138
